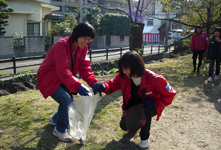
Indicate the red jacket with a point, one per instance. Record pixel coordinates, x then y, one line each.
199 41
157 89
54 69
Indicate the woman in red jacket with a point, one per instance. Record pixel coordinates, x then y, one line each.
199 43
56 75
131 79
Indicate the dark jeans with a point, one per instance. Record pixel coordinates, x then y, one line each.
195 54
145 130
211 66
63 96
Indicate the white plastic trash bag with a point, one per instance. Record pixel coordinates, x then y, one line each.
80 114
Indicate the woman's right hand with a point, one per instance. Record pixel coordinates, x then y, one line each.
83 90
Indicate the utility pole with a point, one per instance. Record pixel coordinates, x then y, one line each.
167 28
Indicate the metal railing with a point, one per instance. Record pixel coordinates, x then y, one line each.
92 55
14 59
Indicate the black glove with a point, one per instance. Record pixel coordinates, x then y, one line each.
97 87
83 90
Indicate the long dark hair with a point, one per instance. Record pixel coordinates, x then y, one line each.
134 61
81 30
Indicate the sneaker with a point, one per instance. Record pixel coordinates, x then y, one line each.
62 136
216 77
210 79
144 144
51 122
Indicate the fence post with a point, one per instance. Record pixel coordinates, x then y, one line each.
151 49
143 50
159 48
14 65
107 53
90 53
120 51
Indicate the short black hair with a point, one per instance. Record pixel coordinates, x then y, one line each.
217 29
134 61
198 26
81 30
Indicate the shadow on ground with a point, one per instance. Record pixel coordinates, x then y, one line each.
123 144
212 90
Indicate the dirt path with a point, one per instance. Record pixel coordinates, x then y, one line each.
192 122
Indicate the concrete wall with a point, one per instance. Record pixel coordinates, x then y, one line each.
35 45
99 42
116 41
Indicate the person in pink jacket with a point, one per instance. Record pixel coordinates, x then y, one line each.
199 44
56 76
131 79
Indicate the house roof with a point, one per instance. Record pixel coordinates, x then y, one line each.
54 16
150 29
53 8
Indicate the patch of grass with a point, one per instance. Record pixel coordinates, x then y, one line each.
99 71
24 115
4 74
30 70
114 70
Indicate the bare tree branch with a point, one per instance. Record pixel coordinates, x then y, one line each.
93 2
137 9
130 10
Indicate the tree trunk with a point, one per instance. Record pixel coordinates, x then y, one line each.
136 36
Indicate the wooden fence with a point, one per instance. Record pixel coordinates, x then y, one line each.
103 53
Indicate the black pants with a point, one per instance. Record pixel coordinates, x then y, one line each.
145 130
211 66
195 54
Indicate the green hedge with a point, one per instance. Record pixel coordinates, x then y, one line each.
115 24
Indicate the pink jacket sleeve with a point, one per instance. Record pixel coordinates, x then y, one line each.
112 85
62 61
206 42
166 94
192 43
85 71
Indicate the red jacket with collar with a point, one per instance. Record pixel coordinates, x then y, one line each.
199 41
54 69
157 89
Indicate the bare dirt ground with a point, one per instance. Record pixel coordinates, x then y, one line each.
192 122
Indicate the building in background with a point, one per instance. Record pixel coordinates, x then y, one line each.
151 34
71 6
30 17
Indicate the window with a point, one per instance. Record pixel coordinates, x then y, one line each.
153 8
33 29
72 9
149 21
60 10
